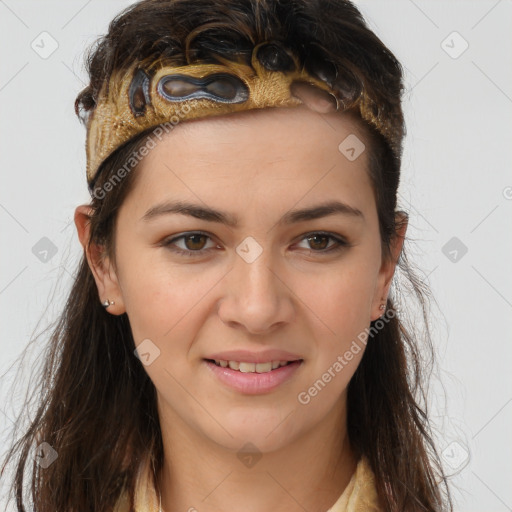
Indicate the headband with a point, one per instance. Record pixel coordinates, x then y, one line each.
138 99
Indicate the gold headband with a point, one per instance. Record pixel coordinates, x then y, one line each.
140 99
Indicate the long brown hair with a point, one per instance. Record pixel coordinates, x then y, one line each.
97 407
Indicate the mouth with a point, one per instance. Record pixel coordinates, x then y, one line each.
253 378
247 367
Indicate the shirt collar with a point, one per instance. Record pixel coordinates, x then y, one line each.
359 495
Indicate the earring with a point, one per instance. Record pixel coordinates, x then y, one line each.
382 307
107 303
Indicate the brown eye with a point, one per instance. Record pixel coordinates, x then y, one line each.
324 243
197 241
315 242
190 244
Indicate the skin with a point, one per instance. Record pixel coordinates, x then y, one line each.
295 296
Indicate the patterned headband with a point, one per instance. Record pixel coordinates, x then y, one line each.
140 99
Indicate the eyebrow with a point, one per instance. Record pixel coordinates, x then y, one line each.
211 215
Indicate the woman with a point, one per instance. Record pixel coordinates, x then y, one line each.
232 337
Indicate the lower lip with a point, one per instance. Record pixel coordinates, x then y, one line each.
254 383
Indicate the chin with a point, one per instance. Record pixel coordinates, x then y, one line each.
267 432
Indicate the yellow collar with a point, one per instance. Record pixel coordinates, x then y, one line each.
360 495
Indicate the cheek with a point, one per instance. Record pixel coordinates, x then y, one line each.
165 302
342 297
157 302
340 306
166 307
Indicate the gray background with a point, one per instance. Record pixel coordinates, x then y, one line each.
456 185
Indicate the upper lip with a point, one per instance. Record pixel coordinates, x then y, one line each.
249 356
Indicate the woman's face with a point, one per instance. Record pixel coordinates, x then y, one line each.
224 252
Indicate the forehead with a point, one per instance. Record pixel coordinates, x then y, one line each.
291 133
280 154
300 118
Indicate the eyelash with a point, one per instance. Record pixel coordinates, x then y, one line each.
340 243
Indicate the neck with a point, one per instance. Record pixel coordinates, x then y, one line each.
308 473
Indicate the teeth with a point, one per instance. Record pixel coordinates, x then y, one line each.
263 367
245 367
234 365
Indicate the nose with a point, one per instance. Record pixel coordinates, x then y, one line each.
257 298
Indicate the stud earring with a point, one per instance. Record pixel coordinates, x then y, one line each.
107 303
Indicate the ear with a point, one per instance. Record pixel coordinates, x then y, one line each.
388 266
99 263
